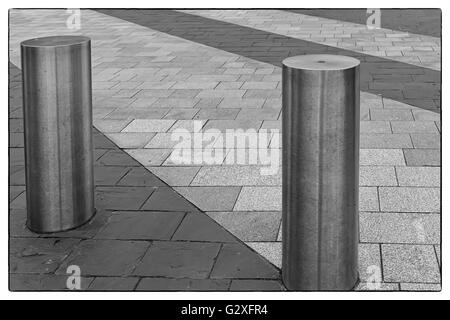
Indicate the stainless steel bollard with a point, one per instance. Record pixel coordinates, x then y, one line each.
320 172
57 105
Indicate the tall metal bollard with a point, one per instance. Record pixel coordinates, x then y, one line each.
320 172
57 105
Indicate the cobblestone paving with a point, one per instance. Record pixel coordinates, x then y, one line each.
147 82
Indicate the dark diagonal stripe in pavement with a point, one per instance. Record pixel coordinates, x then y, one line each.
399 81
141 222
420 21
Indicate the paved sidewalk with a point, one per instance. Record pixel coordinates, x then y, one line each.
160 70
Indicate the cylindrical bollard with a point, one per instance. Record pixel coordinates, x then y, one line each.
57 105
320 172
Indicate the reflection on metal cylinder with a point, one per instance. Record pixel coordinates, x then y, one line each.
57 105
320 172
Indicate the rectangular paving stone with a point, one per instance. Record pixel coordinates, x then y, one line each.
166 199
425 115
370 286
113 284
422 157
256 285
381 157
108 175
130 113
238 261
410 263
122 198
110 126
140 177
16 139
181 113
259 199
131 140
165 103
392 227
106 257
368 199
141 225
384 141
377 176
221 93
195 85
419 176
426 141
101 141
230 175
250 226
117 158
413 127
391 114
192 260
241 103
175 176
420 287
272 251
166 284
43 282
369 263
375 127
217 114
38 256
211 198
149 125
223 125
258 114
262 94
149 157
409 199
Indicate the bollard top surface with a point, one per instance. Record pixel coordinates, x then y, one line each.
321 62
55 41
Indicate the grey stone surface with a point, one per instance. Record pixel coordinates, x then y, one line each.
422 157
131 139
375 127
211 198
420 287
384 141
165 199
122 198
236 261
140 177
199 227
108 176
377 176
391 114
106 257
256 285
392 227
192 260
409 199
175 176
413 127
148 125
113 284
117 158
272 251
381 157
32 282
419 176
410 263
233 175
426 141
141 225
259 199
250 226
149 157
165 284
368 199
369 263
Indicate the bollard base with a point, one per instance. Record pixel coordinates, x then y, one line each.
300 289
87 221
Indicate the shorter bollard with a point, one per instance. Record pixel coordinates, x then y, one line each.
57 105
320 172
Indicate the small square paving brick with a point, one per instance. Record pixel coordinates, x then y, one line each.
122 198
106 257
259 199
148 125
390 227
165 284
42 282
256 285
178 260
410 263
391 114
250 226
238 261
381 157
419 176
426 141
113 284
200 227
131 140
166 199
211 198
384 141
140 177
108 175
141 225
32 255
413 127
377 176
422 157
409 199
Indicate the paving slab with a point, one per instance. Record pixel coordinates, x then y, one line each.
259 199
414 127
131 140
381 157
175 176
368 199
377 176
422 157
192 260
426 141
165 199
113 284
385 141
369 263
148 125
410 263
166 284
272 251
211 198
256 285
419 176
149 157
140 177
409 199
121 198
31 282
420 287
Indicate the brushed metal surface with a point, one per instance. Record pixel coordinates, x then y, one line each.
57 107
320 172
